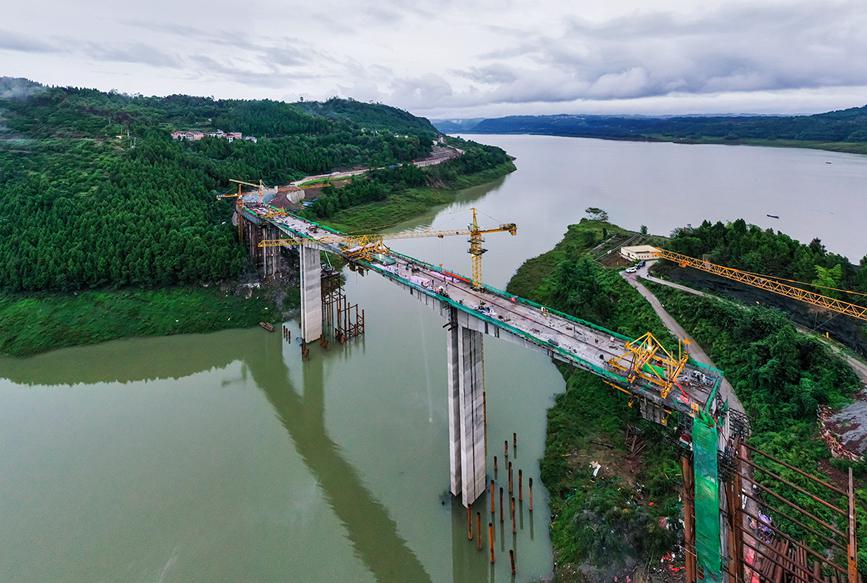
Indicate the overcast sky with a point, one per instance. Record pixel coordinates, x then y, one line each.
456 58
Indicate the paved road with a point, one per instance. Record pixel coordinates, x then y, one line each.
439 155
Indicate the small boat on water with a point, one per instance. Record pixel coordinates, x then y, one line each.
267 326
774 216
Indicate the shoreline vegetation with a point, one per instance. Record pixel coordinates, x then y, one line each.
112 227
782 377
837 131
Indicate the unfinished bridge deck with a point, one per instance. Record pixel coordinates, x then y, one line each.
564 337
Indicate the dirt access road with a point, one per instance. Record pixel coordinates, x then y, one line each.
696 351
438 155
849 424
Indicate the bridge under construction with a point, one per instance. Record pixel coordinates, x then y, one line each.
669 388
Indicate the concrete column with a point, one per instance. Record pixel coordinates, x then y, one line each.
311 294
454 408
272 254
466 385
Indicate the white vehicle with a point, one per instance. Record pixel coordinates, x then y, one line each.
631 270
423 282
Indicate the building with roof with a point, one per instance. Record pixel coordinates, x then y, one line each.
638 252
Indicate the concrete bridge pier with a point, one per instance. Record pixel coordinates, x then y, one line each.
270 255
311 294
466 386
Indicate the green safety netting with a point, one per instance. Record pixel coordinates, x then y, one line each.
707 509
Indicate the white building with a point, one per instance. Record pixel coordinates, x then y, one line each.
195 135
638 252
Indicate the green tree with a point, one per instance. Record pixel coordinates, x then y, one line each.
828 277
596 214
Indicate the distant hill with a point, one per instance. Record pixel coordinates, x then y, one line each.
368 115
18 88
454 126
848 126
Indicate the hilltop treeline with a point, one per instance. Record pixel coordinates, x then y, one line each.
94 192
849 125
750 248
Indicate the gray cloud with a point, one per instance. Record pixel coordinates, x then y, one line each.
471 56
736 48
10 41
493 73
134 53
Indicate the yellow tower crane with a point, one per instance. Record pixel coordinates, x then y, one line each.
768 283
240 194
364 247
239 197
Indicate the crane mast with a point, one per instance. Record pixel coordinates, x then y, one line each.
476 251
239 198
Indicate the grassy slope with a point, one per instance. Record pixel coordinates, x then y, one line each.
41 322
602 525
407 204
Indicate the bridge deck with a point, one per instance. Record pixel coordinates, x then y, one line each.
568 339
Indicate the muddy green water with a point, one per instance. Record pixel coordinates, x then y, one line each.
224 457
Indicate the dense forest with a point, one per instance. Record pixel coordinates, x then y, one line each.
849 126
95 193
766 251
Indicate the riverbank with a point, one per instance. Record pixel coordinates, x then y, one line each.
35 323
404 205
621 519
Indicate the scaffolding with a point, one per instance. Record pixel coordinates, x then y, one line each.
343 320
647 359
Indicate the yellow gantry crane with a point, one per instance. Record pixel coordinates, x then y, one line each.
648 359
767 283
364 247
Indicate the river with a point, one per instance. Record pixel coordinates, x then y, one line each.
224 457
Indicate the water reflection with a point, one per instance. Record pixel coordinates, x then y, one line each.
372 532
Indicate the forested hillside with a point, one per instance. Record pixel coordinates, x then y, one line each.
751 248
376 185
836 130
95 193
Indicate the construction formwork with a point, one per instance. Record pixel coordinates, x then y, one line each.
342 319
